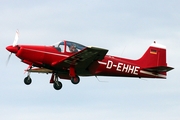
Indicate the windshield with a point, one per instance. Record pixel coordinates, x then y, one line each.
68 46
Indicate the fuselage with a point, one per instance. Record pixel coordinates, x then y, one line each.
46 56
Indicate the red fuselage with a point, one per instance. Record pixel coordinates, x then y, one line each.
47 56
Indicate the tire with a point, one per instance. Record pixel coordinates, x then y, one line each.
57 86
75 80
27 80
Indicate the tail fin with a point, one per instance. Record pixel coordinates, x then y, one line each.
154 59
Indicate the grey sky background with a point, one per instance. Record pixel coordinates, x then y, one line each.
126 28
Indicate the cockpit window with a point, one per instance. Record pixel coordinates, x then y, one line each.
74 47
59 46
69 46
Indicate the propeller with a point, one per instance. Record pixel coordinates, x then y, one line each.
13 45
16 38
8 59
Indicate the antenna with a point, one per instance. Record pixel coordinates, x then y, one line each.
100 81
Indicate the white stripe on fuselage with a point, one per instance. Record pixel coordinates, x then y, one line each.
103 63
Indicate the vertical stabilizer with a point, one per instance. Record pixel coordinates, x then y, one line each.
154 59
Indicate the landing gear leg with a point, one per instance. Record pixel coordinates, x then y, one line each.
57 84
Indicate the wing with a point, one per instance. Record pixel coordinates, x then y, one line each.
82 60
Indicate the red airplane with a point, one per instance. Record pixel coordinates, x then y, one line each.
69 60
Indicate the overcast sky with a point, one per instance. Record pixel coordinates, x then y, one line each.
125 27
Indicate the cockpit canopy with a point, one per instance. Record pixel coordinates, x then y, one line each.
68 46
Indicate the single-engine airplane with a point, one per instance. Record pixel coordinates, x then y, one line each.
69 60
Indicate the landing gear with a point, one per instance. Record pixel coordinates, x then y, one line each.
56 84
27 80
75 80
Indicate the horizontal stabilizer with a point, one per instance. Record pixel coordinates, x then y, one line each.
159 69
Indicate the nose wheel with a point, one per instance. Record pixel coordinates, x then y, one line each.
27 80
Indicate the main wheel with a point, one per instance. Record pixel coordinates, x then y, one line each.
27 80
57 85
75 80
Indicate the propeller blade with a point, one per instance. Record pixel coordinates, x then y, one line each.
8 59
16 38
14 44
